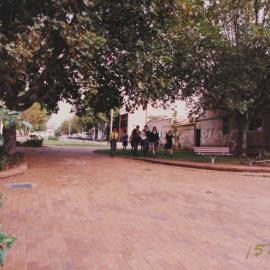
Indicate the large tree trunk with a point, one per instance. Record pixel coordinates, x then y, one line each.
242 135
9 140
244 138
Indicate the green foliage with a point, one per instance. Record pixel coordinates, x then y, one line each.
103 50
11 118
226 65
98 54
7 161
72 126
175 129
135 64
90 118
6 241
4 162
46 49
37 116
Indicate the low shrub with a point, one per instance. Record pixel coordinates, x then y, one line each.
33 141
7 161
6 241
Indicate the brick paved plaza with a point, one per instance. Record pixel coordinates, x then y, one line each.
88 212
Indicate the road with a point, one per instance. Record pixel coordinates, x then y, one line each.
87 211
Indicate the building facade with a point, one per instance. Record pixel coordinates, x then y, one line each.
217 128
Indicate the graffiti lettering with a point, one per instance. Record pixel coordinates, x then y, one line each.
216 137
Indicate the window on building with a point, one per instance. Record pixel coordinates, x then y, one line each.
124 120
226 125
256 125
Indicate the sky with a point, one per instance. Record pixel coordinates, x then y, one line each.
63 114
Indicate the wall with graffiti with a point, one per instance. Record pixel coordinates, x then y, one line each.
216 137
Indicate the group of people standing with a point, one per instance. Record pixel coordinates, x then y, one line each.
148 141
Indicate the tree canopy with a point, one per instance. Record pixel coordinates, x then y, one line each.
226 60
93 53
134 66
45 52
102 50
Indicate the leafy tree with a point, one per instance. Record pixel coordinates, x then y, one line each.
105 52
227 61
71 126
45 53
92 119
64 128
8 119
37 116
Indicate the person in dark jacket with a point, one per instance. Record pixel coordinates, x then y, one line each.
135 140
124 140
154 141
169 143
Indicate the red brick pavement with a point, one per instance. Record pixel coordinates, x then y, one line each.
89 212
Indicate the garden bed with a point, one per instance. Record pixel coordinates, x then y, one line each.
11 165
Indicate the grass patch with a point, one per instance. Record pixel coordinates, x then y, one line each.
179 155
72 143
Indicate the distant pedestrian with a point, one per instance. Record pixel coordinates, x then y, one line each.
169 143
124 140
154 141
113 138
135 140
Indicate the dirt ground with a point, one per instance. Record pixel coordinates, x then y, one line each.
87 211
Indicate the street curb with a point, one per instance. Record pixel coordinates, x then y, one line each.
198 165
203 166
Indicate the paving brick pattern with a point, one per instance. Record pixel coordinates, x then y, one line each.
87 212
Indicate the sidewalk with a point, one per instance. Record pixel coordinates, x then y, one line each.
205 166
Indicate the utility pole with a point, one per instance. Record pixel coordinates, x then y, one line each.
146 114
111 125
